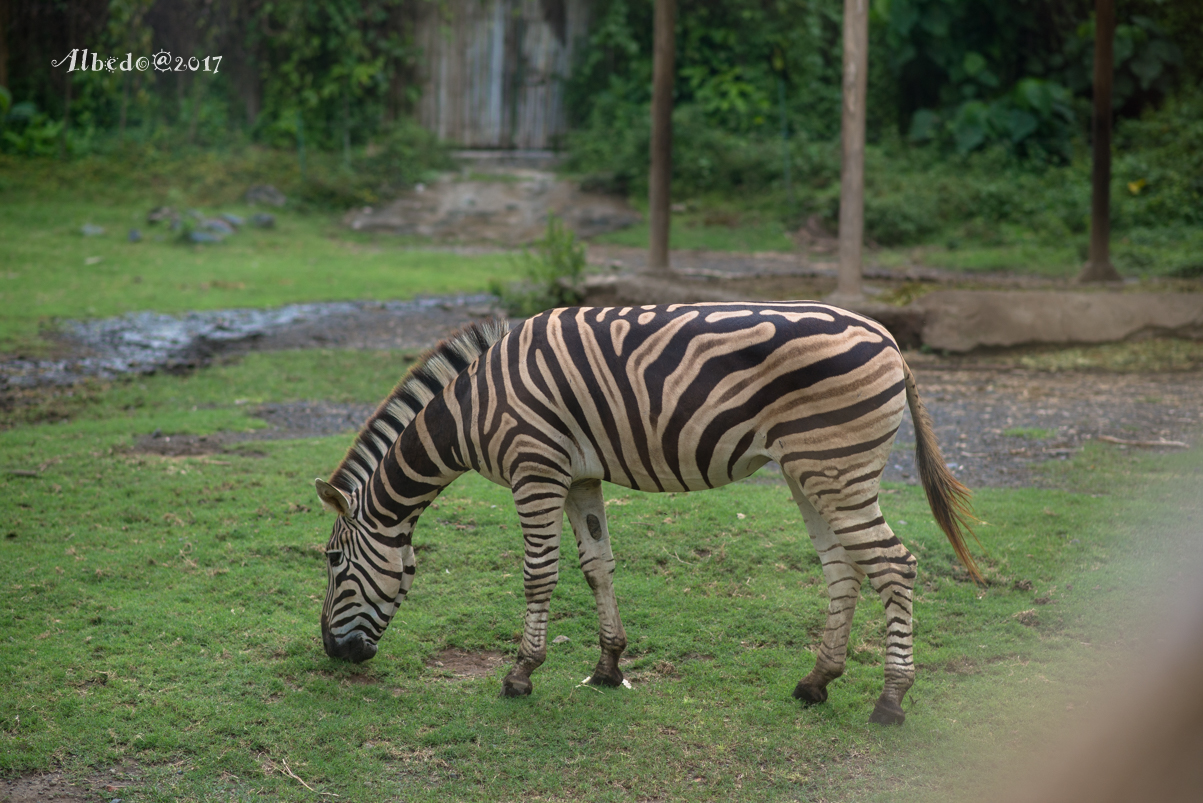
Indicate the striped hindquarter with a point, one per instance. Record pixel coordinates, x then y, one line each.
663 398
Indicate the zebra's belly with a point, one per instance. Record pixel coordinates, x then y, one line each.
655 473
590 467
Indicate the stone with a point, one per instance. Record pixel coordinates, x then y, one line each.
262 220
160 214
91 230
265 194
962 320
218 226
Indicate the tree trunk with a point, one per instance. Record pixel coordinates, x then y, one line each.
4 12
124 107
660 175
62 136
852 166
1099 268
198 89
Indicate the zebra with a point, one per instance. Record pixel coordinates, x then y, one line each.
679 397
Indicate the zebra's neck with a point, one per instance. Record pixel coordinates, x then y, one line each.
411 475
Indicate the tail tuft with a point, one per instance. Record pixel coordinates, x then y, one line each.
948 498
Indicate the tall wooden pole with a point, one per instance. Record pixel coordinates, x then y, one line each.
852 166
659 195
1098 267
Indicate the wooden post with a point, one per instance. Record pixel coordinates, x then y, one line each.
852 166
1098 267
660 174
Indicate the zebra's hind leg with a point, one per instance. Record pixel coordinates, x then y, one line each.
893 578
540 503
843 578
587 514
867 544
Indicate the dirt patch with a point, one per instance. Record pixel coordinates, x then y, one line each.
460 664
285 421
60 787
505 205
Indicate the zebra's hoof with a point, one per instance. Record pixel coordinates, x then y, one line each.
611 679
887 712
516 687
810 695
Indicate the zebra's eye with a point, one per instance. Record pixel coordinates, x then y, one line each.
335 556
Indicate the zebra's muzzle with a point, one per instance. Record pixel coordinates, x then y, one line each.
355 647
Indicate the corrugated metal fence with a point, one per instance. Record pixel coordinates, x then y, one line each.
493 70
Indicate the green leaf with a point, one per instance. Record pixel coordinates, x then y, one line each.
973 63
1022 125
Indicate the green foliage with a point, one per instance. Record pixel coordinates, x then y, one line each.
1029 213
1159 165
340 69
1018 75
552 276
963 74
29 132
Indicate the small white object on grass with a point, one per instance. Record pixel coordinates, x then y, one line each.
626 684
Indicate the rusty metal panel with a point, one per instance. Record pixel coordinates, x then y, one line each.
493 70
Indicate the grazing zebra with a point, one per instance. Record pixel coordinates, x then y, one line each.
681 397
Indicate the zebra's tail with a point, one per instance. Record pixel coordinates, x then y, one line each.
948 498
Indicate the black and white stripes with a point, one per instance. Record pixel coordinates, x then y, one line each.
658 398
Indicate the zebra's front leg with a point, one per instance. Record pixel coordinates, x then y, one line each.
587 514
843 578
541 510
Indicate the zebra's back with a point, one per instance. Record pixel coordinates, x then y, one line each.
685 397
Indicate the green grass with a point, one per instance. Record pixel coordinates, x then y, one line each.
164 613
1030 433
44 270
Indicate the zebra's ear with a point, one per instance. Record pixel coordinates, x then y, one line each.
333 499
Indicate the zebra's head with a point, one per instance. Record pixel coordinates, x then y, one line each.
368 578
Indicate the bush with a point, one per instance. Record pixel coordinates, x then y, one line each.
552 276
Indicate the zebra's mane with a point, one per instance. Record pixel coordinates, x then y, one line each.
425 379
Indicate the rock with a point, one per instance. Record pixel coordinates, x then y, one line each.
233 220
262 220
135 236
218 226
265 194
202 237
962 320
90 230
161 214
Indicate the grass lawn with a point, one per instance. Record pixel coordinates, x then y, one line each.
161 615
49 270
